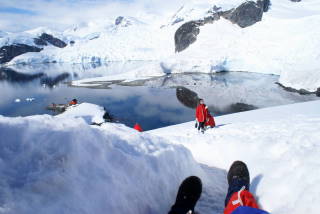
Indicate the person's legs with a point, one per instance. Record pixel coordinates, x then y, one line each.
188 194
238 191
201 126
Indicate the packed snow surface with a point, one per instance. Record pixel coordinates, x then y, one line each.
63 164
279 144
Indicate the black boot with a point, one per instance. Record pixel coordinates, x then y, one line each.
188 194
238 177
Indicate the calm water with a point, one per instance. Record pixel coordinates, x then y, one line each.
154 103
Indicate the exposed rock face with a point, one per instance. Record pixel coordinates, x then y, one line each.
246 14
7 53
295 0
40 42
122 21
187 34
239 107
264 4
11 75
45 38
300 91
119 19
187 97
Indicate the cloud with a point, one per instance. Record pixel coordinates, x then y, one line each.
17 15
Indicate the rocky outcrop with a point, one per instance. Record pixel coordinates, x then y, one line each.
187 97
295 0
7 53
300 91
245 15
240 107
265 4
187 34
122 21
45 38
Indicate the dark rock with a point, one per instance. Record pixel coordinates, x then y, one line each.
72 42
246 14
108 117
187 97
52 81
187 34
123 21
295 0
119 19
264 4
7 53
301 91
40 42
318 92
239 107
13 76
52 40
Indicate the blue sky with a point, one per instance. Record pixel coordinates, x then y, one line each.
15 10
19 15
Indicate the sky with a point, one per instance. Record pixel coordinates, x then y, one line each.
20 15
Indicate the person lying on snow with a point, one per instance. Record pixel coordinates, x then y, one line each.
73 102
201 115
238 200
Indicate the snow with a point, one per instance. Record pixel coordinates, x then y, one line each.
62 164
89 112
284 43
280 146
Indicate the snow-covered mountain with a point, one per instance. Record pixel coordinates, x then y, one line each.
277 37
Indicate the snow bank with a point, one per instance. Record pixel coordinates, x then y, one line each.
91 113
280 146
63 165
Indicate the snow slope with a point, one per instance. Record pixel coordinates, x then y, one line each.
63 165
279 144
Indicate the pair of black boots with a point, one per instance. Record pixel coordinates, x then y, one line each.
191 188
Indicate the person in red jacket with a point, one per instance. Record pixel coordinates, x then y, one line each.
73 102
138 127
201 115
210 120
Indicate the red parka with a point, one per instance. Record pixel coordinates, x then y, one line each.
201 113
138 127
241 198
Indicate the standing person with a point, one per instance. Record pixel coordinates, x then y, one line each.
238 200
201 115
